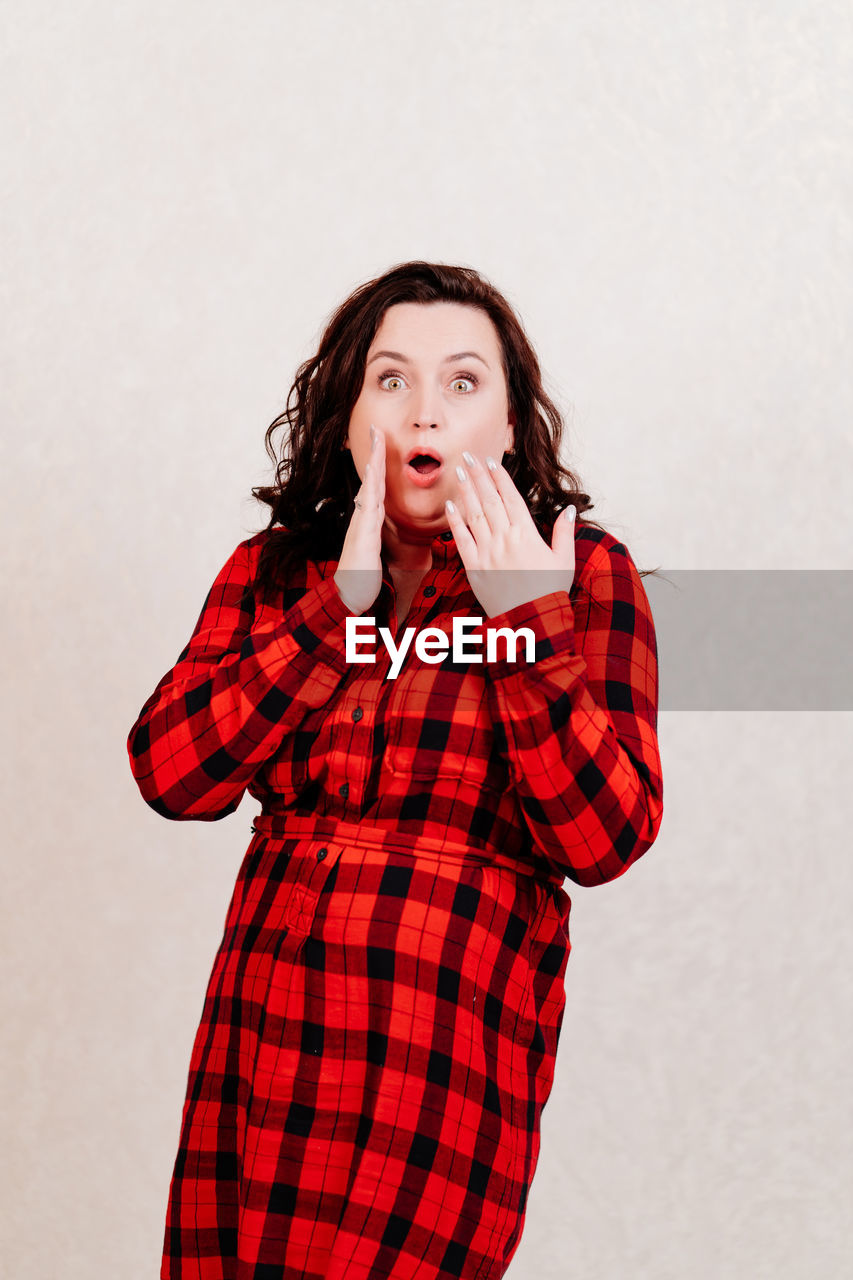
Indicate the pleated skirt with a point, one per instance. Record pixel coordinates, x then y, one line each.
376 1047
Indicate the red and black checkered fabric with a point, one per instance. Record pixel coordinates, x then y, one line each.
379 1030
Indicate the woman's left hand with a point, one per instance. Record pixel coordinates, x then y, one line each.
507 560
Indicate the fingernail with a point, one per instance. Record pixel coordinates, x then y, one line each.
450 507
490 463
469 458
570 513
461 473
367 468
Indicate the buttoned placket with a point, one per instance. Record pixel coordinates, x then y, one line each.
444 553
365 690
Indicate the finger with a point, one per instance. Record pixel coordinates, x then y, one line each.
371 495
380 473
491 501
563 537
472 508
465 543
514 503
380 457
377 446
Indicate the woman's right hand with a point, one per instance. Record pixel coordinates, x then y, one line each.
358 577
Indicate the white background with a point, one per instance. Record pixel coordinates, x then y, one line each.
664 192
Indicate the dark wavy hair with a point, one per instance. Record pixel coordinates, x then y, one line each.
312 498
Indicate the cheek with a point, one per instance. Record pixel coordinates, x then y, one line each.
490 437
359 428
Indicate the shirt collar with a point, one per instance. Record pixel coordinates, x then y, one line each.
444 549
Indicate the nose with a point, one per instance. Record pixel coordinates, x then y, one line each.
427 410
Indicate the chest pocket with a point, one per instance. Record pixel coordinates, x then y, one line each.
438 725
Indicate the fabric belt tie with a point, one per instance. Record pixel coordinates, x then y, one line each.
433 849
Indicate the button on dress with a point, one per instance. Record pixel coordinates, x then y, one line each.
379 1031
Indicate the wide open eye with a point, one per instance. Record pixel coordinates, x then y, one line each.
391 377
463 378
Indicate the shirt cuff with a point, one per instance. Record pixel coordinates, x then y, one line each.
551 618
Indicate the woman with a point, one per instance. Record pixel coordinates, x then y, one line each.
380 1026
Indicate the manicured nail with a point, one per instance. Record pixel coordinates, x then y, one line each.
570 512
450 507
461 473
490 463
469 458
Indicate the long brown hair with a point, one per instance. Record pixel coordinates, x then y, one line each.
311 500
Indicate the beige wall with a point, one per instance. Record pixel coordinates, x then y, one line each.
664 191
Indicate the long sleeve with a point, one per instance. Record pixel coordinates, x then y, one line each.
240 685
578 726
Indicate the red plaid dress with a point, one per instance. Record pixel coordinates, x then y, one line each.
379 1030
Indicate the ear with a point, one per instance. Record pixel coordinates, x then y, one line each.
509 438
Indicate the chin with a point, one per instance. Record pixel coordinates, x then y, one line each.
430 514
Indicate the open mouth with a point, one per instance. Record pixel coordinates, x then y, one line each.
423 467
424 463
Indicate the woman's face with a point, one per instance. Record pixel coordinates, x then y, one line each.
434 386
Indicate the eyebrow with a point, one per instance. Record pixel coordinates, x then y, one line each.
398 355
